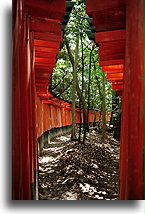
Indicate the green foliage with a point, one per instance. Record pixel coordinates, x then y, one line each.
62 74
78 21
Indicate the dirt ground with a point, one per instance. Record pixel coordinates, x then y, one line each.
72 171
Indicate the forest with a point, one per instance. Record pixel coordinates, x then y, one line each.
77 76
82 165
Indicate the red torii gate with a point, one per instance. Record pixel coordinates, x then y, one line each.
119 33
37 34
36 38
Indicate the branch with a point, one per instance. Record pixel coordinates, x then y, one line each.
86 47
58 83
65 89
69 52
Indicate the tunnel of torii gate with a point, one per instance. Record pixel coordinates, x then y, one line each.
37 34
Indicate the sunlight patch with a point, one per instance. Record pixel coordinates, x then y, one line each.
63 138
46 159
70 196
54 149
88 188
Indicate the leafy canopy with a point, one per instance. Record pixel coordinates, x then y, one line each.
62 74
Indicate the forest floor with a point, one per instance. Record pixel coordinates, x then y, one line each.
72 171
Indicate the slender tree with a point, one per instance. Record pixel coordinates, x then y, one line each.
103 102
82 61
89 78
75 67
79 92
103 108
91 86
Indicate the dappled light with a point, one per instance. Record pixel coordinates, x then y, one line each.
80 172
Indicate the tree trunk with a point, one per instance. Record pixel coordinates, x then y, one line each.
89 89
111 122
116 134
79 92
80 128
73 133
116 117
100 93
102 98
85 110
83 67
103 108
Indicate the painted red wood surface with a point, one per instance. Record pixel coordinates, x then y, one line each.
94 6
113 67
114 45
46 8
45 25
36 38
131 165
16 121
110 19
115 72
43 43
110 35
111 62
48 36
35 45
21 106
129 85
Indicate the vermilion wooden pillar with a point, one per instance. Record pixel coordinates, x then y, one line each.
22 158
32 116
16 145
21 72
131 160
24 109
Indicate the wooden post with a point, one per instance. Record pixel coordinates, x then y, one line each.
21 105
16 145
132 136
